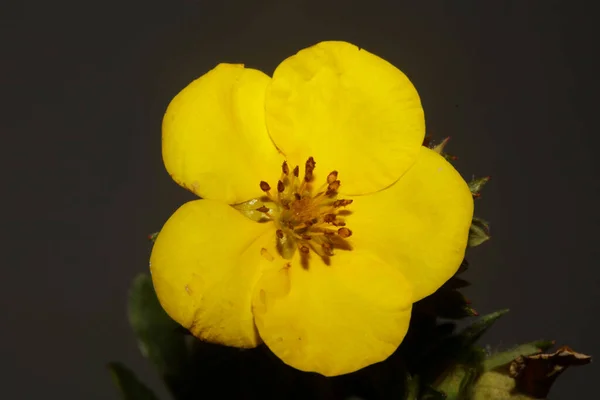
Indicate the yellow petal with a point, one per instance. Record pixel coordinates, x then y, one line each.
333 319
215 140
420 224
349 109
204 265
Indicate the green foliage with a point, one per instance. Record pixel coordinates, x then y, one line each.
160 338
479 232
500 359
129 385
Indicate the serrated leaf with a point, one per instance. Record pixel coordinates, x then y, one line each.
478 232
473 332
159 337
477 184
506 357
439 148
130 387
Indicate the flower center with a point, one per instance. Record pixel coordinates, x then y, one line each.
307 217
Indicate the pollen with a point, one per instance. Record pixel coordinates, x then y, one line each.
308 216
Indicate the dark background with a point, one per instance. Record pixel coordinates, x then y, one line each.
84 87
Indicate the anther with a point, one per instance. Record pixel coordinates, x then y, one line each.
279 233
296 171
297 196
332 177
280 186
284 168
333 186
344 233
304 249
341 203
309 168
264 186
306 237
310 164
263 209
326 248
329 217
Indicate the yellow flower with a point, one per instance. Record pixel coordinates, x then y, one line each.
322 262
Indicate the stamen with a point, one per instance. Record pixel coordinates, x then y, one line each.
308 169
335 185
332 177
341 203
344 233
329 217
264 186
307 219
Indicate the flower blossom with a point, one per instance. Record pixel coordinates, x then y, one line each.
321 217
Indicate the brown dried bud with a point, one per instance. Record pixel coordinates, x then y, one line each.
344 233
304 249
284 168
264 186
332 176
263 209
280 186
279 233
296 171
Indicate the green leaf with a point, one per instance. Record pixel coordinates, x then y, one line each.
129 385
473 332
412 387
152 237
477 184
432 394
479 232
159 337
497 386
447 303
505 357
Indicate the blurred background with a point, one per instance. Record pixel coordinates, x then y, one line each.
84 86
